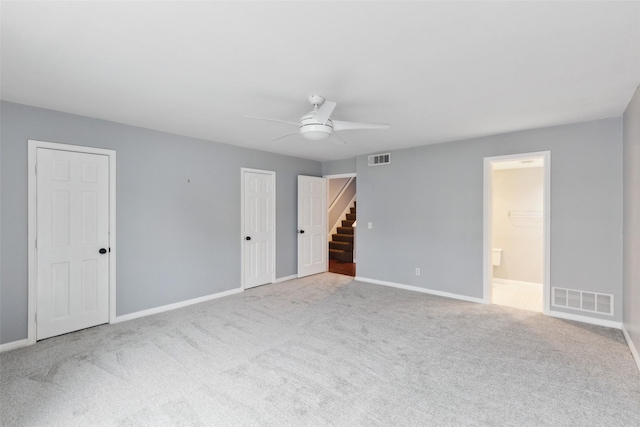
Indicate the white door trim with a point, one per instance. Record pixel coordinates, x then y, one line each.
340 175
487 231
33 145
242 231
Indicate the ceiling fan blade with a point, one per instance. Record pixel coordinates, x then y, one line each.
338 138
285 135
339 125
272 120
324 112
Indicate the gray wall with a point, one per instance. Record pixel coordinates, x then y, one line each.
632 219
176 240
427 210
338 167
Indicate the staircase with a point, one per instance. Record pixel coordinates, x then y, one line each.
341 244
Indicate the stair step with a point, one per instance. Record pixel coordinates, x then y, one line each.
344 256
347 223
353 210
345 230
342 238
344 246
335 253
351 217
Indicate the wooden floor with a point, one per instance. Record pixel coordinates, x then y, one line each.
346 268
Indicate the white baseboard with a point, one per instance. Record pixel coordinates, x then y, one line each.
13 345
174 306
632 347
418 289
586 319
514 282
285 278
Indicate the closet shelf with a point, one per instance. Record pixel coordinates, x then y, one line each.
525 218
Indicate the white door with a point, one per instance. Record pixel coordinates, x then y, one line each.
72 252
259 228
312 225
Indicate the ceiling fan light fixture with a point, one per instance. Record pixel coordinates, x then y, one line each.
315 132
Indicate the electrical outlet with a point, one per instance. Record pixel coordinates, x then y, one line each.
417 271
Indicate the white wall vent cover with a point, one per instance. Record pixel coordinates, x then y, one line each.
379 159
583 300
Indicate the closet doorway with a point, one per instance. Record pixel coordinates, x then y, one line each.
517 231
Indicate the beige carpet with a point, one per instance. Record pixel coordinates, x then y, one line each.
326 351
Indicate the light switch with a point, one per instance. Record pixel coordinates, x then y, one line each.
369 225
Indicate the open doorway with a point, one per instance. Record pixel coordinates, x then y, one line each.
342 223
516 231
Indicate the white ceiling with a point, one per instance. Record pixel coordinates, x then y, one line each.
434 71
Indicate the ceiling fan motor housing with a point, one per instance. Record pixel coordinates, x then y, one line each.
313 130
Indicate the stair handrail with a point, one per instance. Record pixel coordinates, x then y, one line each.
344 188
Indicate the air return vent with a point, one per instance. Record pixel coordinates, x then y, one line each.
379 159
583 300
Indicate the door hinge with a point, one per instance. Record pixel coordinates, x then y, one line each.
36 243
36 169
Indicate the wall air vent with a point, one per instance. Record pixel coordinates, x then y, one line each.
379 159
582 300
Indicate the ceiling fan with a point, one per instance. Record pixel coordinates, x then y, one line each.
317 124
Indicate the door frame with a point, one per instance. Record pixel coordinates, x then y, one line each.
341 175
33 146
488 227
273 215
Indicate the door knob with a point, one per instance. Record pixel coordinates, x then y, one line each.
247 238
301 231
102 251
